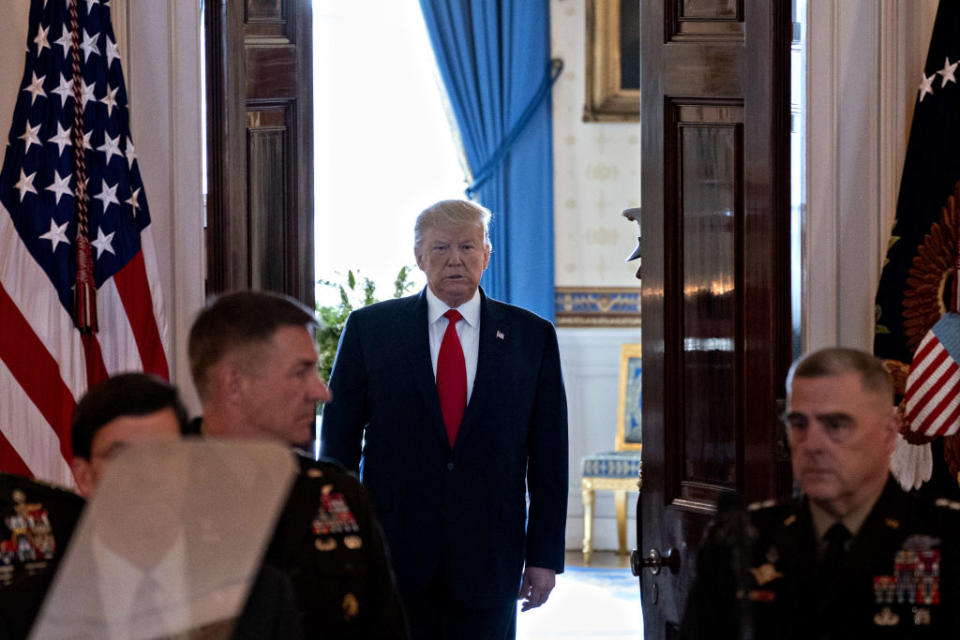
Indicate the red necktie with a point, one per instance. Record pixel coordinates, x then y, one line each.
452 377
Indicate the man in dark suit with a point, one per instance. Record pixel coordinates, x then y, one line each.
254 363
454 420
854 556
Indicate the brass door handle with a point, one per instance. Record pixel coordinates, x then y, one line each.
655 561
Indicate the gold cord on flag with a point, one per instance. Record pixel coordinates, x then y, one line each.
85 290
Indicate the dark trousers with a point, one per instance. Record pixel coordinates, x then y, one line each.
433 615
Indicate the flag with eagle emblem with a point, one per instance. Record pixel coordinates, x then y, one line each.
919 273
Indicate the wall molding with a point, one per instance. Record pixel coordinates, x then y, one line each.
597 306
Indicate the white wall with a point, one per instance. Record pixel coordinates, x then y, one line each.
162 73
596 170
591 371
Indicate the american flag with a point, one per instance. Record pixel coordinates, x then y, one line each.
933 387
46 362
919 272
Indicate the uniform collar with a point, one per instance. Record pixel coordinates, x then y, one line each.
853 521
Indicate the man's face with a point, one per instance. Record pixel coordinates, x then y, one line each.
111 438
841 438
280 392
453 260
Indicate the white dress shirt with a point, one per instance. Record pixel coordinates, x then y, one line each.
468 330
118 578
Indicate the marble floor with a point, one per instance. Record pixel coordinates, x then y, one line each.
599 602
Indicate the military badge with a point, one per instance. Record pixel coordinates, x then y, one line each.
884 589
904 573
325 544
350 606
886 618
916 576
333 516
765 573
26 537
763 595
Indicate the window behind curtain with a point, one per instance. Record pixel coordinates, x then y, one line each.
383 147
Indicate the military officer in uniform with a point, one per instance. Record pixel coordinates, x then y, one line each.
854 556
254 363
36 522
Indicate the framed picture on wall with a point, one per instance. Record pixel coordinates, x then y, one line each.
613 61
629 425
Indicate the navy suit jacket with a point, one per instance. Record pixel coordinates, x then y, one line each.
461 513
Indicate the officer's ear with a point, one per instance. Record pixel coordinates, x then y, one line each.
891 428
83 475
229 380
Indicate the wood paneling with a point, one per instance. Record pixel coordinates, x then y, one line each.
260 124
271 73
268 172
709 173
264 10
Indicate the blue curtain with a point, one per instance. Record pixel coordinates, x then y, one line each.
494 59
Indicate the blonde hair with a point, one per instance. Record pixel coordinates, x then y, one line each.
452 213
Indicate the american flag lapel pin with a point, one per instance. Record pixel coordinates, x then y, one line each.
499 334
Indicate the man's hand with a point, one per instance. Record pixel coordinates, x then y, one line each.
536 586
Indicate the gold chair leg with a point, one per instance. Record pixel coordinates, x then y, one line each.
587 491
620 499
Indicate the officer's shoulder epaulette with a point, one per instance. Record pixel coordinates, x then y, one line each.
38 488
772 514
763 504
323 466
944 503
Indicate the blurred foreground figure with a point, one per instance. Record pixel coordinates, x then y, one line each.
157 552
852 557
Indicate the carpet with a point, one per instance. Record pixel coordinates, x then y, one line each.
587 604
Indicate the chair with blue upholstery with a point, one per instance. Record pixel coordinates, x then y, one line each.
620 470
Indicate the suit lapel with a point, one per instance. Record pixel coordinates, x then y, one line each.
491 360
417 351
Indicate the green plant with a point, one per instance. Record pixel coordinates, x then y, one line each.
354 293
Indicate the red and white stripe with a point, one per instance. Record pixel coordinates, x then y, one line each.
933 390
46 365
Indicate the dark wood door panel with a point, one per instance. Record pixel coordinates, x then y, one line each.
260 146
271 72
712 70
715 277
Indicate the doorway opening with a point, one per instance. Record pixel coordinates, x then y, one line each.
383 144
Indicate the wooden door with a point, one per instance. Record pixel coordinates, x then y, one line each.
715 286
260 146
